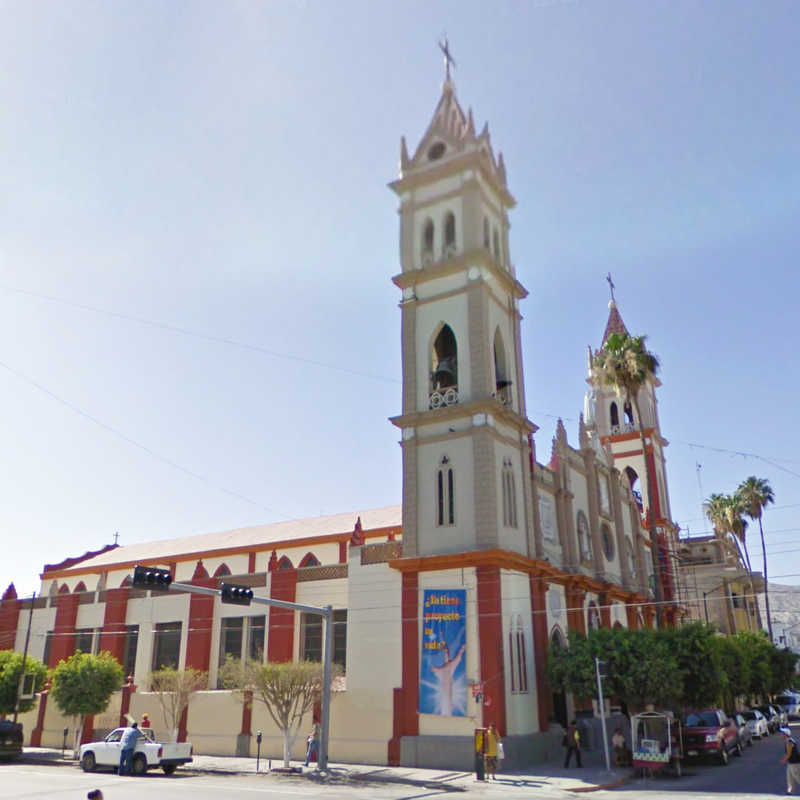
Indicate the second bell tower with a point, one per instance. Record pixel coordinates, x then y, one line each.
465 435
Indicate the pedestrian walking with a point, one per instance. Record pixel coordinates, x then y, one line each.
572 741
127 744
312 742
490 754
792 760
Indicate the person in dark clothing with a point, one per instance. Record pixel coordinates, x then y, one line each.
95 794
572 741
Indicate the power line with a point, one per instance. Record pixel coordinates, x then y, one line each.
144 448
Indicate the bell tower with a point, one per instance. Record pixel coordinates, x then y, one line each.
466 439
617 427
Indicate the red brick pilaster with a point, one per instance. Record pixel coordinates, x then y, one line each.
63 643
406 698
201 618
540 646
125 705
36 733
633 619
112 638
183 724
605 610
9 618
280 638
490 635
247 715
576 619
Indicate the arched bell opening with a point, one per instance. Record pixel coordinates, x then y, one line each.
444 369
501 374
614 414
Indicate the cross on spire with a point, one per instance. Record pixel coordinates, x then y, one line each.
611 286
116 538
444 46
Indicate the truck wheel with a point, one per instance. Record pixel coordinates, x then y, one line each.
139 765
723 756
169 768
88 762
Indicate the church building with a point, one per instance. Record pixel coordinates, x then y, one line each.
446 605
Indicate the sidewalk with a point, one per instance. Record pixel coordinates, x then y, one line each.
538 776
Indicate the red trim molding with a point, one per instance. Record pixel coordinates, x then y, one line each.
490 636
64 629
406 698
112 638
540 647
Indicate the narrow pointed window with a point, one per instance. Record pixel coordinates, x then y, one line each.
486 242
509 495
614 416
445 494
427 237
501 379
449 233
496 245
628 414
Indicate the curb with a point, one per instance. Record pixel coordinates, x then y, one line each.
612 785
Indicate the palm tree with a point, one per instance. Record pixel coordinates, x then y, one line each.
726 515
625 364
755 494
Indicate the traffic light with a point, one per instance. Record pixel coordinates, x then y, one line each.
151 578
237 595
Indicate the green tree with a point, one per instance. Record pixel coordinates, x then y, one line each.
756 494
625 364
287 689
173 689
83 685
641 667
735 666
699 663
783 669
10 675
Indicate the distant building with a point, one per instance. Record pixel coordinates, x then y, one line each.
716 586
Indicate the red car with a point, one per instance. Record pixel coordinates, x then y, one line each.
711 734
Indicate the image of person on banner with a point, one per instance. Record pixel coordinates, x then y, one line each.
443 685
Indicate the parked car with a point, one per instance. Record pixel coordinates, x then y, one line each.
148 753
711 734
790 703
10 739
783 717
773 720
745 732
757 723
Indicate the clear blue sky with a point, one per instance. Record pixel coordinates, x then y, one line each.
222 168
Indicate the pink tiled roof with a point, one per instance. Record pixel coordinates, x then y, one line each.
614 324
256 537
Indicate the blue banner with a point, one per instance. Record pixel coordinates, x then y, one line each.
443 673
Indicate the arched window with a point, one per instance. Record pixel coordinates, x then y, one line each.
445 493
221 571
444 358
518 657
285 563
593 617
449 232
608 542
631 556
633 480
628 414
557 641
496 245
309 560
80 587
486 242
614 416
584 539
509 495
501 379
427 237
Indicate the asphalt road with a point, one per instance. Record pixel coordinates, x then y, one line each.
757 773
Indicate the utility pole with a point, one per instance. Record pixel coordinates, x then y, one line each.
601 705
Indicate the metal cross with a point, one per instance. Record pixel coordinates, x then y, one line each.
448 58
612 287
116 537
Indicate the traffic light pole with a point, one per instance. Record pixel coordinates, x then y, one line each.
327 615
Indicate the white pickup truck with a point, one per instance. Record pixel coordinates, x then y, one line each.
148 754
